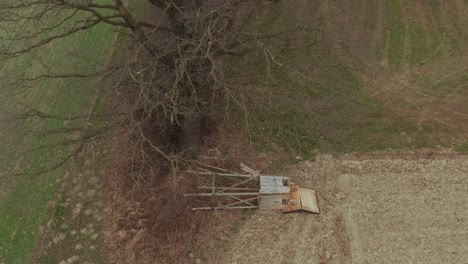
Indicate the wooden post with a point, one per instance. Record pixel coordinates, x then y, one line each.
223 189
224 208
223 194
234 175
213 191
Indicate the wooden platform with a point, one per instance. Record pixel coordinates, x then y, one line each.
255 191
309 200
300 199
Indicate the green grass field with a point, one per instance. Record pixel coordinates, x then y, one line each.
335 98
24 203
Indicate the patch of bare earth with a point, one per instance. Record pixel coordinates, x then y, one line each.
74 231
406 207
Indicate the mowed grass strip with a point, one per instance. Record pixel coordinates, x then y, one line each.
25 208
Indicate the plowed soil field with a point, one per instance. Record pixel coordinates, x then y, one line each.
376 208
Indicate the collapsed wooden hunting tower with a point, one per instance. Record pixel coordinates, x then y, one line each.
254 191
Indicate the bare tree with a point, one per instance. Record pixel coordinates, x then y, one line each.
185 60
180 69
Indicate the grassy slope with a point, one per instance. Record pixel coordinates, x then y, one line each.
25 207
82 233
425 44
335 109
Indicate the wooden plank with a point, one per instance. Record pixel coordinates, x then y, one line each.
295 202
224 208
244 201
271 203
275 202
293 187
309 200
249 170
219 189
226 174
241 183
240 202
213 191
222 194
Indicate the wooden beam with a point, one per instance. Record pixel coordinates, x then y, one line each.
223 194
222 189
213 191
244 201
240 201
228 174
222 208
240 183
